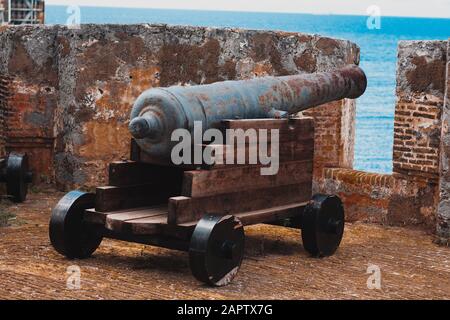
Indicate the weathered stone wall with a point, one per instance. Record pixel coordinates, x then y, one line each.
410 196
443 211
420 99
382 198
110 66
28 59
89 78
66 94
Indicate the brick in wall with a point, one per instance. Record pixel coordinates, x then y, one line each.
28 60
417 128
334 135
4 98
420 99
382 198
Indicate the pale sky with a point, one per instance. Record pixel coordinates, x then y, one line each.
414 8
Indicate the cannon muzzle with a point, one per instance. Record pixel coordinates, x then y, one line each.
159 111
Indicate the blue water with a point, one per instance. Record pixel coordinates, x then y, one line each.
375 110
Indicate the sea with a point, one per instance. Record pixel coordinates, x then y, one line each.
378 43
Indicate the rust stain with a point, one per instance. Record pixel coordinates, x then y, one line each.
100 61
115 98
22 64
183 63
362 200
263 69
106 141
64 45
427 75
228 70
327 45
306 62
264 48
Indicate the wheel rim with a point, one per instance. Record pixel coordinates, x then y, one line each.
16 177
217 249
323 225
69 234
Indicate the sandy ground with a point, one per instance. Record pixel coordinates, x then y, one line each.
275 267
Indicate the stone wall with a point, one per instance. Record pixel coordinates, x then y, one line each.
389 199
409 196
28 60
70 92
443 211
420 99
74 88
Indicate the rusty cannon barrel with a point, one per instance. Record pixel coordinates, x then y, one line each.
159 111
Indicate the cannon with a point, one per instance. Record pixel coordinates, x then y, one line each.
158 112
203 210
15 174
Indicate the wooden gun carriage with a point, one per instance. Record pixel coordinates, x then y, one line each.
204 210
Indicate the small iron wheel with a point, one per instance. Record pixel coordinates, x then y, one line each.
323 224
69 234
216 249
17 177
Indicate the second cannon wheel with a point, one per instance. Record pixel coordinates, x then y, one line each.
17 177
323 224
216 249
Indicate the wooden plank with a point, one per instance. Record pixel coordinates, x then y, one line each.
157 224
271 214
288 151
128 173
149 225
183 209
95 217
111 198
290 130
99 217
264 215
118 221
202 183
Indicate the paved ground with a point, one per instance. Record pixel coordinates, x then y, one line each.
275 267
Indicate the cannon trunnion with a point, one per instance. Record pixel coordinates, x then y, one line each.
203 210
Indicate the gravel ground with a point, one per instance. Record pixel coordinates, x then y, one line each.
275 266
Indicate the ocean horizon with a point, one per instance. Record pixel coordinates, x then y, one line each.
375 109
